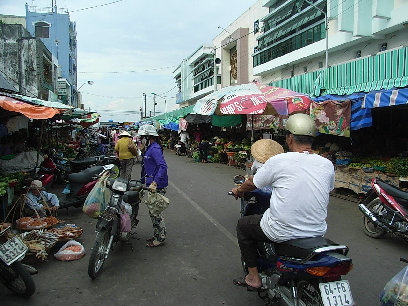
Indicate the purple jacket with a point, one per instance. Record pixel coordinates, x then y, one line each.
154 166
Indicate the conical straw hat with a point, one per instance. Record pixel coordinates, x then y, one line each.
263 149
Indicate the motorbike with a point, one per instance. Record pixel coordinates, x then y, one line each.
180 148
108 227
79 185
66 166
385 210
305 271
13 274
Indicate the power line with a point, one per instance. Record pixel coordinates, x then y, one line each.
130 71
96 6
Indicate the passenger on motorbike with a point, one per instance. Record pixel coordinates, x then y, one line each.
301 182
261 151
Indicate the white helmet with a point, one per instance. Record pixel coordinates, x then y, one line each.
301 124
147 130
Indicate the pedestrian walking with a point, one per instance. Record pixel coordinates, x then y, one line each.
126 157
154 175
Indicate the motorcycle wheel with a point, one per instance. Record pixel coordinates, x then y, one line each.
16 278
309 294
98 252
370 229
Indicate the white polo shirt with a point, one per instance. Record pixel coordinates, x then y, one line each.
301 183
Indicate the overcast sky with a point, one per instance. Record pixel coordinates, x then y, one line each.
128 47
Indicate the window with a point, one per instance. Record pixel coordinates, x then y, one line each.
383 47
42 30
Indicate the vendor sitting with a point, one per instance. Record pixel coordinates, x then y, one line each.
39 200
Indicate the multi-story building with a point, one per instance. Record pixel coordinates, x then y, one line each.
195 76
235 46
58 33
366 44
26 63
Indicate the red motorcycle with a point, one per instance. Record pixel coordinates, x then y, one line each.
47 172
79 185
385 210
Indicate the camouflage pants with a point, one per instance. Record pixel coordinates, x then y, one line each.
159 227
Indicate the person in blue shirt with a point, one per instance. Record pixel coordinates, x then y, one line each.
39 200
154 175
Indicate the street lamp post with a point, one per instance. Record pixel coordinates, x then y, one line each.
145 105
87 82
326 26
154 102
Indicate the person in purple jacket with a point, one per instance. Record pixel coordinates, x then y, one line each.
154 175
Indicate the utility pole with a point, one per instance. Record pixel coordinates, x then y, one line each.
154 105
145 105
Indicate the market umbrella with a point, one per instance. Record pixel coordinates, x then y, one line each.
235 100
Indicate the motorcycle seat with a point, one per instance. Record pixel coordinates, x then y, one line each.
85 176
83 162
303 249
131 197
400 196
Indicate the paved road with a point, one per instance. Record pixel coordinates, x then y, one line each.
201 257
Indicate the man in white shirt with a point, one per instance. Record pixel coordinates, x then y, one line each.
301 182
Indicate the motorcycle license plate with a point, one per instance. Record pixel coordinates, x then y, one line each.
12 250
336 293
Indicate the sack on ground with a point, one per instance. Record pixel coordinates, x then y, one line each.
396 290
132 148
156 203
125 223
98 198
72 250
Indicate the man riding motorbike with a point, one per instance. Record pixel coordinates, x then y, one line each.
301 182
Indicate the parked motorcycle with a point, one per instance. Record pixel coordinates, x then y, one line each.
66 166
12 273
385 210
180 148
108 227
79 185
304 271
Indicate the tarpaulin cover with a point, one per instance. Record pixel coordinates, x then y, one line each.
28 110
174 126
332 117
385 98
224 121
265 122
360 117
57 105
197 118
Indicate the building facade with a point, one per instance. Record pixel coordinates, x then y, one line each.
58 33
195 76
366 45
235 46
26 63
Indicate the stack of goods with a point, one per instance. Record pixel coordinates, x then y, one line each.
67 232
39 242
28 223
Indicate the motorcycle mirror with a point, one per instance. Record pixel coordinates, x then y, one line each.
239 179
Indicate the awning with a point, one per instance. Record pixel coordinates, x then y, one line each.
28 110
385 98
360 117
198 119
57 105
172 116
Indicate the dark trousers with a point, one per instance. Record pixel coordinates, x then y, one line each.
249 233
